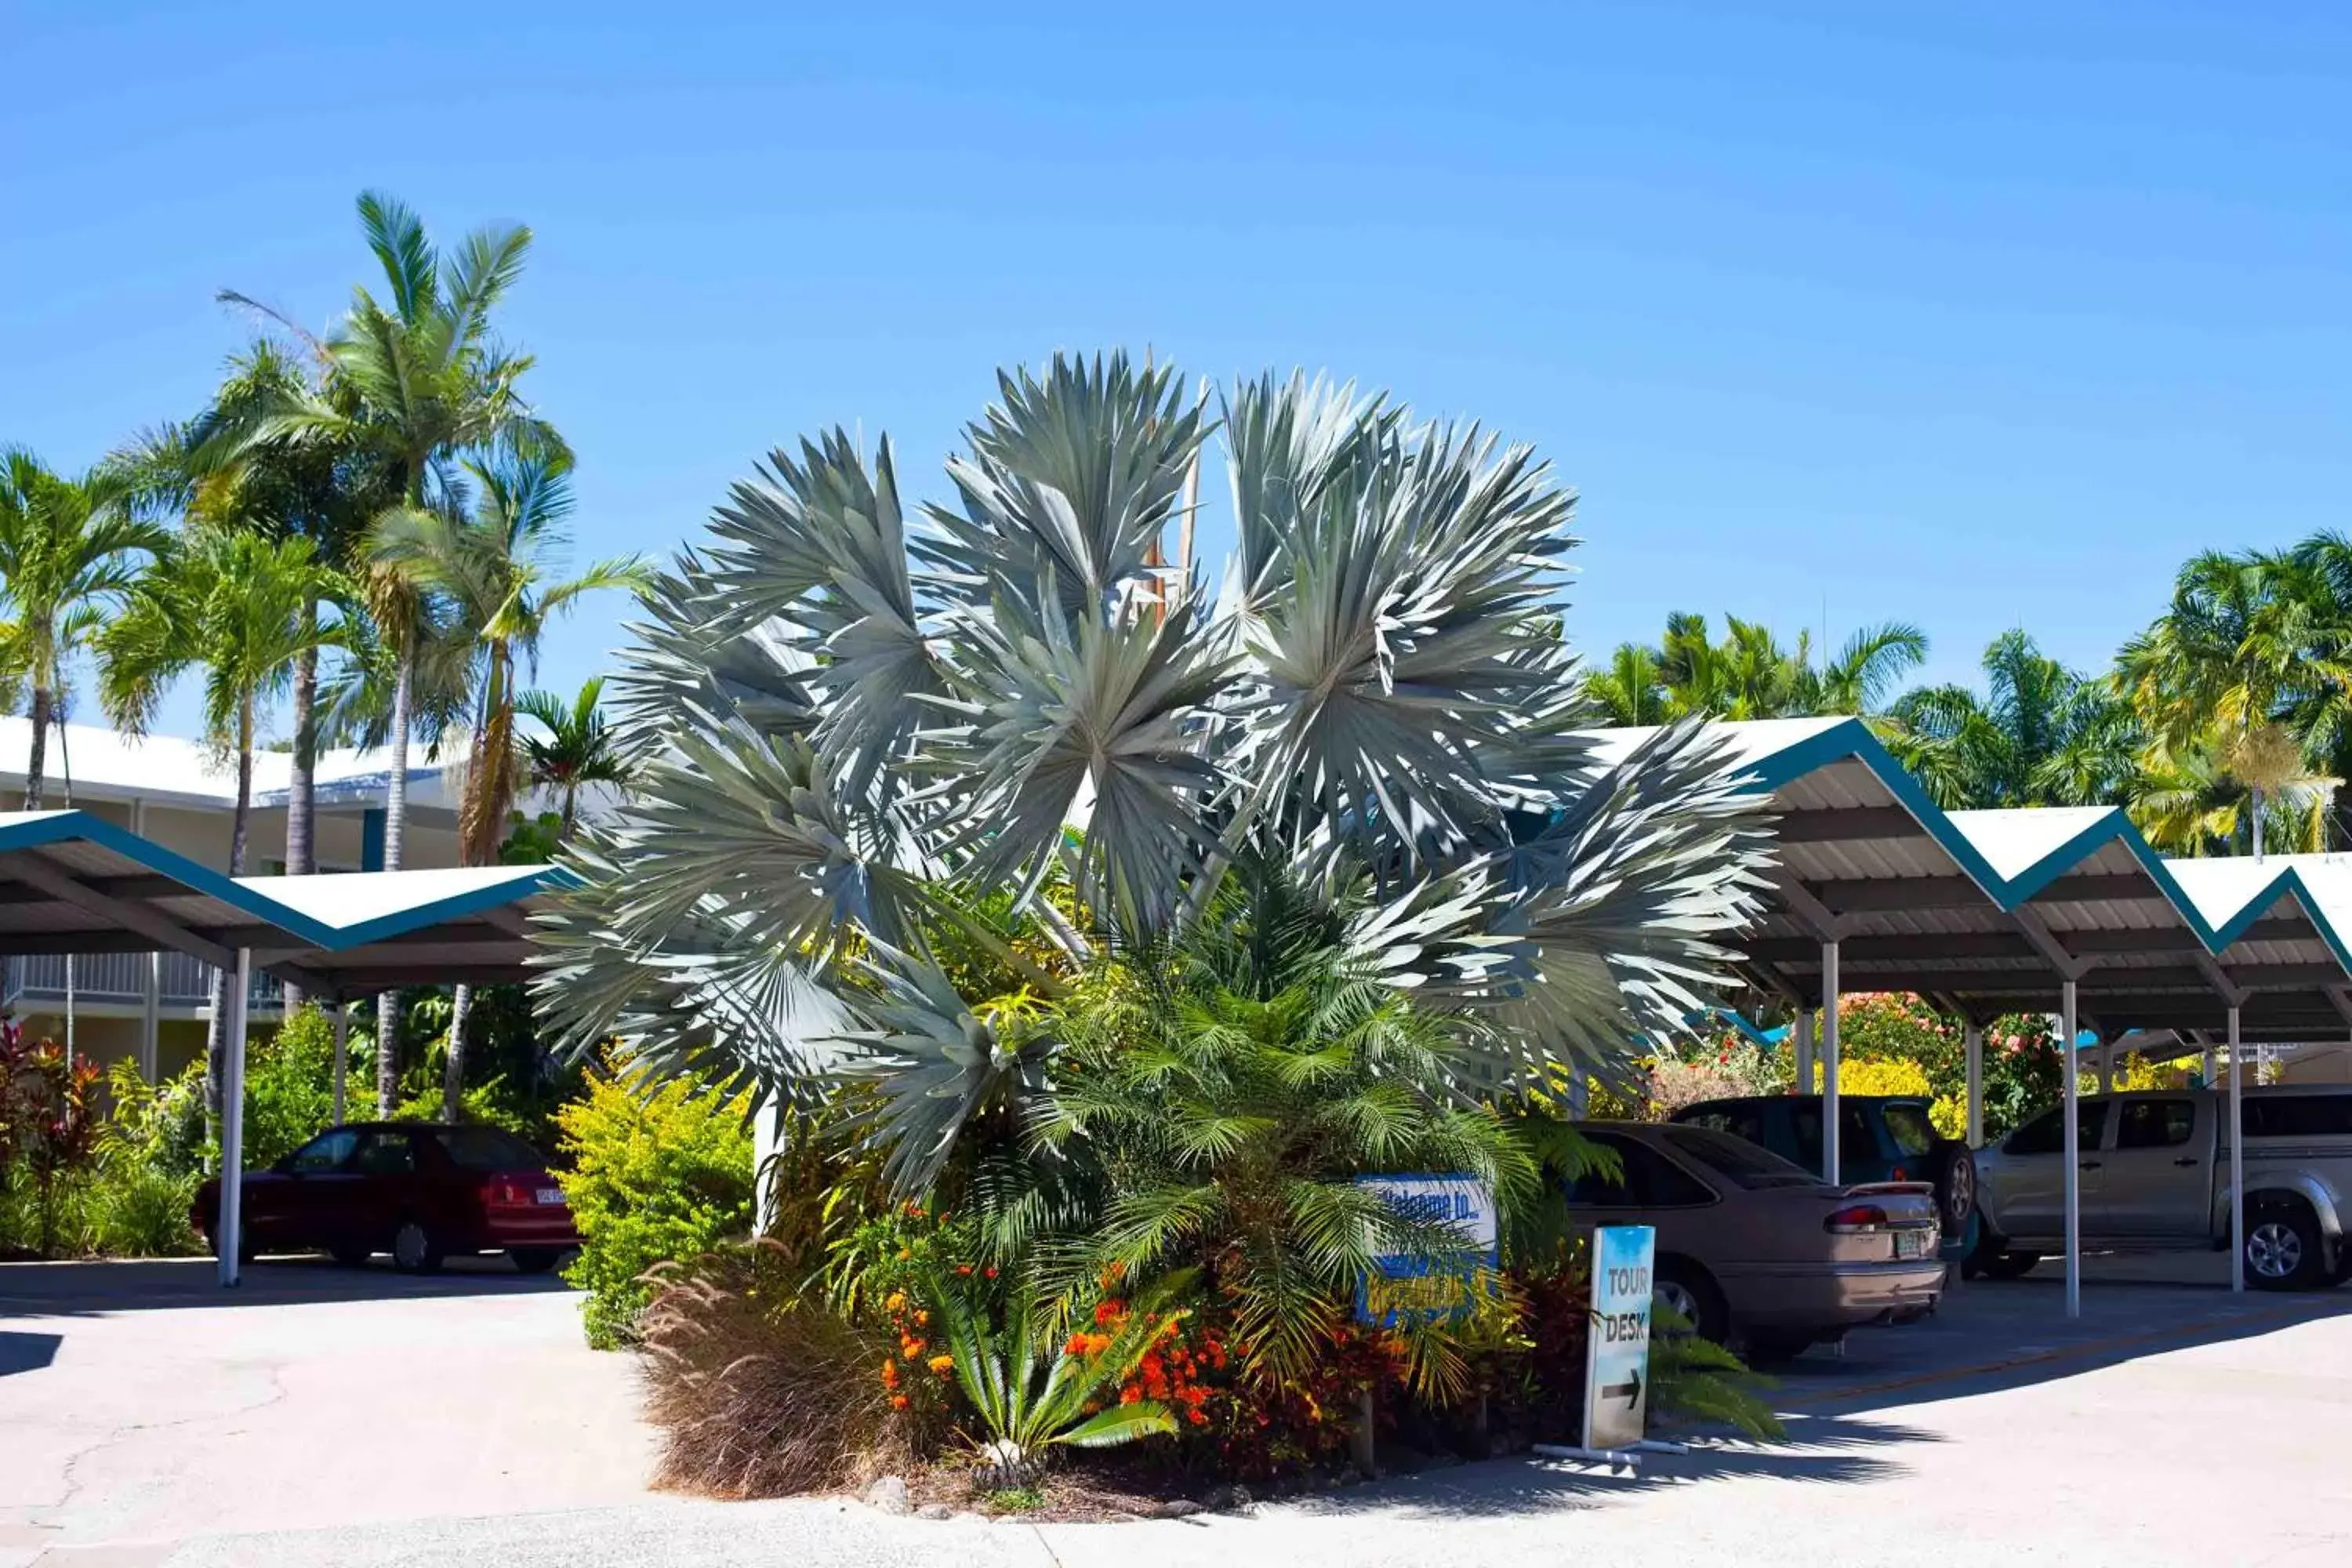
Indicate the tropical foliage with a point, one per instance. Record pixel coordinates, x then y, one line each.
850 735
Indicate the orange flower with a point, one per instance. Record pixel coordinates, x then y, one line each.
1076 1346
1130 1395
942 1364
1108 1312
889 1373
910 1348
963 1268
894 1301
898 1402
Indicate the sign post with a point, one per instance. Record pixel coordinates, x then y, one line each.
1617 1350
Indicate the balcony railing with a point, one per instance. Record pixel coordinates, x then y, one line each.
122 977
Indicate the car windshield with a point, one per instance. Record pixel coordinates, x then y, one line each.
1747 1165
487 1149
1908 1124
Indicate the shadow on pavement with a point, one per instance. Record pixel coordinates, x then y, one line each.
1996 1335
79 1289
27 1352
1825 1450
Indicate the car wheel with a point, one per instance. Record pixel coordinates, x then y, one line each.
1956 1188
2282 1247
1686 1289
535 1260
415 1248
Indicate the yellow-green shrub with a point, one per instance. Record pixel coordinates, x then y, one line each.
660 1173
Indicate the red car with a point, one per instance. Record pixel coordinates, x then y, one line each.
417 1190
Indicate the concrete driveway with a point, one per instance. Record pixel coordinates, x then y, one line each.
141 1403
332 1419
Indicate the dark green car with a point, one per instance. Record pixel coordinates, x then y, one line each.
1882 1137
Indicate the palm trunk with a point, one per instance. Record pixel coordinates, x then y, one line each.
571 812
216 1029
2258 823
480 786
396 822
42 704
453 1072
301 807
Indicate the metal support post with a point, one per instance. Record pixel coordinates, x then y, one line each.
1830 1163
2236 1130
2070 1077
228 1229
1972 1035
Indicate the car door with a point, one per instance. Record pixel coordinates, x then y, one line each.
2032 1172
2157 1183
306 1191
387 1190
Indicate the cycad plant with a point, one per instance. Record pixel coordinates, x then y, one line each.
851 728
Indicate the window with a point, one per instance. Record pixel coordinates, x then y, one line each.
2299 1116
1651 1180
1739 1121
2045 1134
1858 1139
385 1154
1906 1123
1737 1158
325 1153
2155 1123
487 1149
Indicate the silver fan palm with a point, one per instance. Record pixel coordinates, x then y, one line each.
850 735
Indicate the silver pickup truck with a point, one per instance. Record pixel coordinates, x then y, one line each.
2156 1174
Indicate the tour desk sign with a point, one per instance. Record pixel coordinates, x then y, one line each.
1403 1288
1617 1351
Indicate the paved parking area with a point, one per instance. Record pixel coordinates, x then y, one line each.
141 1403
331 1418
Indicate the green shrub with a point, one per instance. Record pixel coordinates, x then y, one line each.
290 1087
137 1210
483 1102
659 1174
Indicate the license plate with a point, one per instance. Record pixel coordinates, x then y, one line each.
1910 1243
550 1194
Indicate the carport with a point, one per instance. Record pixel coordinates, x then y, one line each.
1987 913
71 882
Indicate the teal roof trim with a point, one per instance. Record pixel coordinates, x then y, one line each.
28 831
1853 739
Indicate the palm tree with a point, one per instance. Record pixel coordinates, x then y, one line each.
1862 678
2248 665
421 378
497 569
577 749
1749 675
2040 735
843 742
71 551
236 606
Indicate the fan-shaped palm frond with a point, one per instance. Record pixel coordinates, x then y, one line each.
848 736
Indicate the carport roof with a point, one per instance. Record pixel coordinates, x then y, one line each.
73 882
1988 910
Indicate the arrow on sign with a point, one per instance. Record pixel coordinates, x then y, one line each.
1630 1391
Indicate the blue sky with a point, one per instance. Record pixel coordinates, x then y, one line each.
1977 315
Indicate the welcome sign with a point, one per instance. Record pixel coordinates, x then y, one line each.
1403 1288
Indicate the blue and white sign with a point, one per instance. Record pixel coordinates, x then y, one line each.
1617 1351
1405 1286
